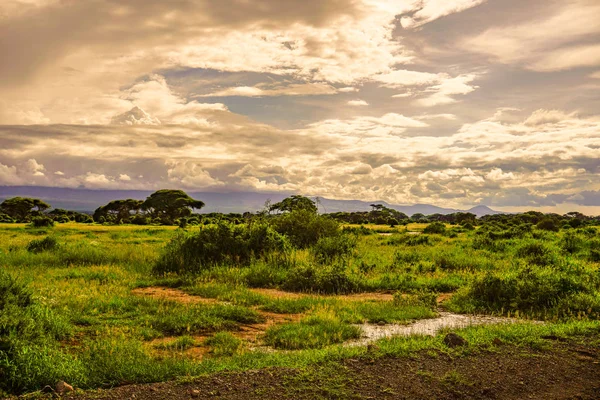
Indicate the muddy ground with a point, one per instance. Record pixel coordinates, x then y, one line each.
562 371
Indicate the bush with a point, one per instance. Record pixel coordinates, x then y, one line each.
224 344
537 253
218 245
305 228
421 298
328 249
39 245
531 289
328 280
548 224
435 227
314 332
571 242
42 222
6 219
29 354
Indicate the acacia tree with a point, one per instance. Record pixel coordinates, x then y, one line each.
22 209
294 203
170 205
118 210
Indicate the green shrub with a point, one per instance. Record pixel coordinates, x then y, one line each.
39 245
531 289
537 252
304 228
224 344
421 298
6 219
218 245
548 224
330 248
29 353
435 227
333 279
42 222
314 332
571 242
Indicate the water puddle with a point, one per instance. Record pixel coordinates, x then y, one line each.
430 327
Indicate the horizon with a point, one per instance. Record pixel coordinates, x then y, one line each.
453 104
141 194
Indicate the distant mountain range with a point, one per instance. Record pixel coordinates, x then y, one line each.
235 202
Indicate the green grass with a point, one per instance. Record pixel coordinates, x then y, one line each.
319 330
224 344
84 324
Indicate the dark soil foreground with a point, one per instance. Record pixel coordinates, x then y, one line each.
566 371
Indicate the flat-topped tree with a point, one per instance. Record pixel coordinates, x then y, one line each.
294 203
118 210
23 208
170 205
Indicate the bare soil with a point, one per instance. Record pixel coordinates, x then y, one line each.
173 295
565 371
280 294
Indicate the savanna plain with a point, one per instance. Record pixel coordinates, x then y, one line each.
297 305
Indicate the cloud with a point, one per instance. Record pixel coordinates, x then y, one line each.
538 44
358 103
431 10
541 117
391 157
135 116
303 89
437 88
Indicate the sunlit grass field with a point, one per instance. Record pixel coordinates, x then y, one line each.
101 316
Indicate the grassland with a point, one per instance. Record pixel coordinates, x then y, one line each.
86 303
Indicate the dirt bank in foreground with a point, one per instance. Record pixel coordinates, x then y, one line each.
566 371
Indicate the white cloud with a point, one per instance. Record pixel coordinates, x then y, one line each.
358 103
124 177
438 88
545 42
541 117
443 92
431 10
496 174
304 89
135 116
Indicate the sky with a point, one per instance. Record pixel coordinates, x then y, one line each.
454 103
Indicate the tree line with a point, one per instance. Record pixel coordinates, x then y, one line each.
175 207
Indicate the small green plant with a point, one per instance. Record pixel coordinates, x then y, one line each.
435 227
224 344
314 332
331 248
42 222
48 243
182 343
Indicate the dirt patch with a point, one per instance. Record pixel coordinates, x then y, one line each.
173 295
253 332
280 294
196 352
510 373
